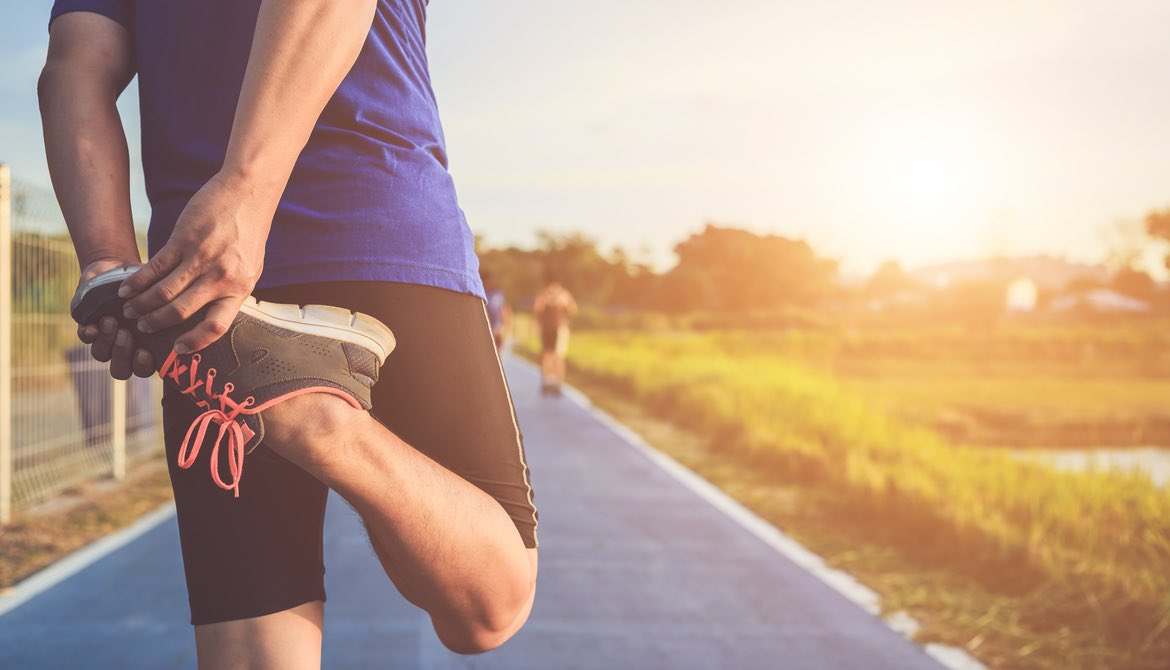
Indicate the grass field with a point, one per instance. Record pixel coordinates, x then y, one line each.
1027 566
1020 387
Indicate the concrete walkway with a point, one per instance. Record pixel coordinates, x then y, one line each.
637 571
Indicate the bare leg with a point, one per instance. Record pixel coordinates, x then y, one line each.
559 362
285 640
548 366
448 546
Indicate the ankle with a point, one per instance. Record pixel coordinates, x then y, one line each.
311 430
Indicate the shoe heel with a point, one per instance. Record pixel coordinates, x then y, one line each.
328 321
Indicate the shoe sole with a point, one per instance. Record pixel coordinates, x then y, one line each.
117 275
336 323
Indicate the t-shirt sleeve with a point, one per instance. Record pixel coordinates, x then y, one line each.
121 11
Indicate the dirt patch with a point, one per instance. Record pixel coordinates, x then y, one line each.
41 535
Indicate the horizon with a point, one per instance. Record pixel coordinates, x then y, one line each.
921 133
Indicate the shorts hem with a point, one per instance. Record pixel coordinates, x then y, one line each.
253 612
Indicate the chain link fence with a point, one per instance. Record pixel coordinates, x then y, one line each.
63 419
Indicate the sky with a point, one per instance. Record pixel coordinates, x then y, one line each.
922 131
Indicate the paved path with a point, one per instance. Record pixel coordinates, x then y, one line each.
637 571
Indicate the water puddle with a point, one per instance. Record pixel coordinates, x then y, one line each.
1154 461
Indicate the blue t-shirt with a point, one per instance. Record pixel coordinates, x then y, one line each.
370 197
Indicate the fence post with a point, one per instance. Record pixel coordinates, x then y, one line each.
5 344
118 426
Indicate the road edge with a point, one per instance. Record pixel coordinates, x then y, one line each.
75 562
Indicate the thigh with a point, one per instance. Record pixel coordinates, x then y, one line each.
250 556
443 389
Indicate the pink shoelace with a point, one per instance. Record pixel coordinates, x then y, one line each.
225 415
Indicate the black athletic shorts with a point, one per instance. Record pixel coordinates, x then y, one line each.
442 390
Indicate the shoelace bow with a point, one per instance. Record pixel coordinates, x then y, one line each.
237 432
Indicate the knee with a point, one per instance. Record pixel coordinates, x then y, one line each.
494 626
470 642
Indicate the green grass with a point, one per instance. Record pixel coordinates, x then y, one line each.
1083 556
1017 386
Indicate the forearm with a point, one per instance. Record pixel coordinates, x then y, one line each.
88 162
301 51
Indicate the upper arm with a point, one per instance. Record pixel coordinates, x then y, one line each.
91 45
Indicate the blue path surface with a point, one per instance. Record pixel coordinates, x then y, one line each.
637 571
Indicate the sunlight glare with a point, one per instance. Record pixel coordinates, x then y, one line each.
928 181
927 190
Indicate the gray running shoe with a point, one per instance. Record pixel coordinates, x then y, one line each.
270 353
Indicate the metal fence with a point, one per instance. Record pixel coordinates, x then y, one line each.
63 419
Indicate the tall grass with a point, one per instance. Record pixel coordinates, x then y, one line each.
1104 535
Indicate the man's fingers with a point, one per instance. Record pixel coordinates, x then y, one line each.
160 265
219 317
116 346
103 346
158 294
121 357
144 363
87 334
179 309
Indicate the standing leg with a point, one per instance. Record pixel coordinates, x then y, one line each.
548 368
286 640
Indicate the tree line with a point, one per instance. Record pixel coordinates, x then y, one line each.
719 268
724 270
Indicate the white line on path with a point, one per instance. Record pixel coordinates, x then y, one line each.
841 582
81 559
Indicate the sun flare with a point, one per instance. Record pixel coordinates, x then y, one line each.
927 181
927 193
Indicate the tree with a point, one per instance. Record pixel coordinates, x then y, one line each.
1158 226
728 269
574 258
1135 283
889 280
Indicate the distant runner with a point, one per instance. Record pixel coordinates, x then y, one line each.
498 311
554 306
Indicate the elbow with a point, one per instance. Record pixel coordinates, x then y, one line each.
46 84
52 84
62 80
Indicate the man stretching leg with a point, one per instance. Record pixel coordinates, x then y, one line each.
292 152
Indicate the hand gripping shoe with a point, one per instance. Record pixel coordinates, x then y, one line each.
270 353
